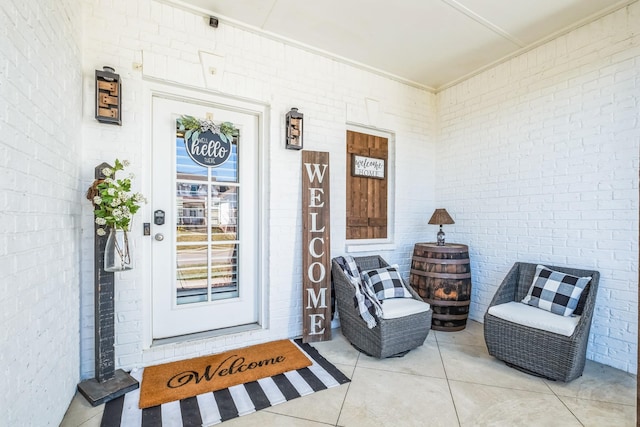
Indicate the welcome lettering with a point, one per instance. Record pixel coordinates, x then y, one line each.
316 283
367 166
236 366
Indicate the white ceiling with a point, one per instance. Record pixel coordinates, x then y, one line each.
427 43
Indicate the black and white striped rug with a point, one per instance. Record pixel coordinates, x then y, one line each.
218 406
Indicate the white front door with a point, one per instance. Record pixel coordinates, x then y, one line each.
206 254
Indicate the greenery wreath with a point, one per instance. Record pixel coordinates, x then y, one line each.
191 127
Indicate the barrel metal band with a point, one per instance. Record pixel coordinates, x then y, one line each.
450 316
456 248
447 303
441 275
441 260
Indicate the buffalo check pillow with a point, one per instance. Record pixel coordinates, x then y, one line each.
555 291
385 283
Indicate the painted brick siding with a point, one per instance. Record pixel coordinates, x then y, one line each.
40 135
538 162
146 39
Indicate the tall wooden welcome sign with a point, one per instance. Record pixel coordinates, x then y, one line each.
316 258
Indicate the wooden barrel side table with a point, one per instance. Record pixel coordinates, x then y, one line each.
441 275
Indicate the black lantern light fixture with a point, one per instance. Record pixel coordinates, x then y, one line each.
294 129
108 96
441 216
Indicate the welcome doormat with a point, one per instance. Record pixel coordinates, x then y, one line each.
215 407
186 378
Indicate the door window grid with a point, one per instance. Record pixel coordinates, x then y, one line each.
206 216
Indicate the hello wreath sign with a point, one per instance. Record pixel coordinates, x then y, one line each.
207 143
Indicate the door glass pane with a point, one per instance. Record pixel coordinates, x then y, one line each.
185 167
224 271
228 171
224 212
191 273
191 204
206 228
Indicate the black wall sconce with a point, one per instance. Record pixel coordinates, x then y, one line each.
108 96
294 130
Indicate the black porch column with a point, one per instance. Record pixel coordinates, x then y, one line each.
108 383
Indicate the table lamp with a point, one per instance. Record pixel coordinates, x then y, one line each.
441 216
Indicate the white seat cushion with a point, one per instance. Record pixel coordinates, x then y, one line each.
393 308
534 317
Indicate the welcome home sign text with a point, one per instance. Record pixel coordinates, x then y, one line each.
316 258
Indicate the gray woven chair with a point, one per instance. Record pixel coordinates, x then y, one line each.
535 351
390 337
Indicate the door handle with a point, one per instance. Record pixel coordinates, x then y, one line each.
159 237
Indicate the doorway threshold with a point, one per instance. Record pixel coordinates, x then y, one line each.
199 336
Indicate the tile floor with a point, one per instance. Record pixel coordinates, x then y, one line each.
450 381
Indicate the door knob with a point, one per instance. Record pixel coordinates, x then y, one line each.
159 237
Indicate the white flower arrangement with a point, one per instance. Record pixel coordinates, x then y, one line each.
114 203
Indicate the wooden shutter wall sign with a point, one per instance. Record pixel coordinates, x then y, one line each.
366 197
316 257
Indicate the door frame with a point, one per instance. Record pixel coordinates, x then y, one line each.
215 100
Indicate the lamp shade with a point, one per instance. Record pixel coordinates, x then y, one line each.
441 216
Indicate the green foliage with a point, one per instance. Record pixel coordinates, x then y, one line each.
114 203
192 127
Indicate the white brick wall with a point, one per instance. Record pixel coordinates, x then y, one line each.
40 197
172 44
538 161
568 104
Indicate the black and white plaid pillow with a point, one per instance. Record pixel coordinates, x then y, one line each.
555 291
385 283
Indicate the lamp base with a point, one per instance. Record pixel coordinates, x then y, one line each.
440 241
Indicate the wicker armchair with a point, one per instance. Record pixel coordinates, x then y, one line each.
389 337
535 351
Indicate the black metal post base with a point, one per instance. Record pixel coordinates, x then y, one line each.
98 393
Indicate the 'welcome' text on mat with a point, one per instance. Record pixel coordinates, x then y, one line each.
186 378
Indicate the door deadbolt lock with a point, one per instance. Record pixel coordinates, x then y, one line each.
158 217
